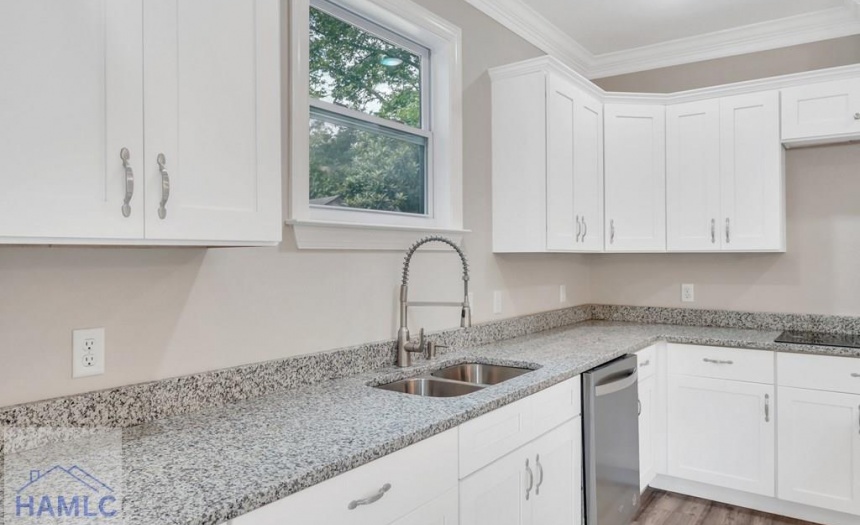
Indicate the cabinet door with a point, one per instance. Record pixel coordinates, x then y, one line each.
588 173
647 403
821 110
70 101
212 88
693 176
496 494
562 230
635 164
819 449
752 173
443 510
722 433
558 475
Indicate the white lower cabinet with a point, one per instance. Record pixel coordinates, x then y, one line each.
819 432
539 483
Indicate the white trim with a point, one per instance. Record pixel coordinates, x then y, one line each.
770 505
322 235
445 164
523 20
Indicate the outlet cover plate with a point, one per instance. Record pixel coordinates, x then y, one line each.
88 352
688 293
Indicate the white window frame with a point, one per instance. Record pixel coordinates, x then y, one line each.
321 227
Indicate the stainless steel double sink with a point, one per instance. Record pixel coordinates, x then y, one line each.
456 380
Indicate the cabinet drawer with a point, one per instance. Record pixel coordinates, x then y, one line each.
417 474
491 436
819 372
737 364
647 358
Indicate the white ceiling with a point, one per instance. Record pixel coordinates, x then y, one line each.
601 38
605 26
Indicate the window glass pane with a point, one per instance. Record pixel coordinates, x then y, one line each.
353 68
354 164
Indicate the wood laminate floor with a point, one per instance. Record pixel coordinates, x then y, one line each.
666 508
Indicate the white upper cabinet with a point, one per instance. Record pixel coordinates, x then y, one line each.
821 113
693 176
547 161
213 111
83 79
752 173
635 171
725 175
70 102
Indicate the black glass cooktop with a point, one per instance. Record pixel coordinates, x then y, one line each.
820 339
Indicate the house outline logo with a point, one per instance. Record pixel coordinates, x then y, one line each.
96 499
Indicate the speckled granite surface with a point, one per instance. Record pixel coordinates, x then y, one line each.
215 464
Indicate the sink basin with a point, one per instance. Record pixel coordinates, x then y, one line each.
429 387
480 374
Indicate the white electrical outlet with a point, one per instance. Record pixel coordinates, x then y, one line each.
88 352
562 293
688 293
497 302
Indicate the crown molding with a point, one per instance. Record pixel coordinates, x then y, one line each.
537 30
795 30
801 29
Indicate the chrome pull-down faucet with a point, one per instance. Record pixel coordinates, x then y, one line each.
405 346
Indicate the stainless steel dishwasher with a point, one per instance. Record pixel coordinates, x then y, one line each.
611 441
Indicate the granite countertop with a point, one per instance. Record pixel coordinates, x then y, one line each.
214 465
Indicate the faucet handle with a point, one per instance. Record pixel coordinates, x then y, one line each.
420 347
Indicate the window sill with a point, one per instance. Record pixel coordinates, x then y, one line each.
322 235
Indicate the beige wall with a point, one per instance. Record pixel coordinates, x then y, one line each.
821 271
795 59
177 311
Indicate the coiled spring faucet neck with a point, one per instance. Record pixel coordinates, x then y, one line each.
405 347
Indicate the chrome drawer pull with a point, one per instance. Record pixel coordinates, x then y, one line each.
856 375
713 231
639 409
645 363
531 480
856 116
372 499
129 182
540 475
612 231
578 228
718 362
767 408
165 186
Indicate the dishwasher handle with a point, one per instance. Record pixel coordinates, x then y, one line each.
617 385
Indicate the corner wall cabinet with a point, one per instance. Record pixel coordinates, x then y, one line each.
635 178
547 162
695 171
96 93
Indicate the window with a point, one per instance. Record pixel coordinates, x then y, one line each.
369 139
375 118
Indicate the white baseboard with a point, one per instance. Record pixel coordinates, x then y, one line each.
753 501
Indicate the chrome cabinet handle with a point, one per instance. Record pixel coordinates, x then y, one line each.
531 479
612 231
856 116
855 375
165 186
767 408
639 409
372 499
578 228
728 231
584 228
129 182
858 417
645 363
718 362
713 231
540 475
